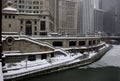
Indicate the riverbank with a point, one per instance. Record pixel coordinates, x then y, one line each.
69 63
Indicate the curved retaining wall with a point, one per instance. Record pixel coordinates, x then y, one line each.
68 66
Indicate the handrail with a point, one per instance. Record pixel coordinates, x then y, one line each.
24 36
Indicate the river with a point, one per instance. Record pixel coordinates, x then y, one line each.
106 69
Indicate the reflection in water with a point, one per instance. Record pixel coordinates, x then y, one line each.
106 69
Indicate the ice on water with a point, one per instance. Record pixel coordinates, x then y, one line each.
111 58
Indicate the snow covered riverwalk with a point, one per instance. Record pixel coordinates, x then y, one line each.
60 62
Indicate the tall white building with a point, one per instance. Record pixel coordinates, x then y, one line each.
98 4
67 17
80 18
88 17
85 17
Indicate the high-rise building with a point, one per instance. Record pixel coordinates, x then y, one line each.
88 17
98 17
117 18
98 4
111 16
67 17
32 17
80 18
98 21
85 17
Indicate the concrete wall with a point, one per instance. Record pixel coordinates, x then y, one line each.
25 47
65 42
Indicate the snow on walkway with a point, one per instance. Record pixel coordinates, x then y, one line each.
55 62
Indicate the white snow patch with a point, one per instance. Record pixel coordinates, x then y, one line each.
10 9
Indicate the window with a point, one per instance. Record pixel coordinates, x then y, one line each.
35 7
9 17
29 12
94 42
9 49
35 12
41 12
22 6
30 7
35 33
21 28
52 55
90 42
43 33
44 17
9 40
41 2
32 57
81 43
19 6
44 56
20 11
22 2
9 25
35 22
58 43
41 7
21 21
19 1
35 2
72 43
35 28
29 2
5 16
13 17
15 1
43 25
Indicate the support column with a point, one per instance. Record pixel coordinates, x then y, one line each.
77 43
86 42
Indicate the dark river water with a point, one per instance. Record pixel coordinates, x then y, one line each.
106 69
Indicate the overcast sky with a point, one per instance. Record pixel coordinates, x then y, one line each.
108 4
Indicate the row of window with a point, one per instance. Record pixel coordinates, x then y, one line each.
72 43
35 28
9 17
30 7
29 2
29 11
35 22
41 33
43 56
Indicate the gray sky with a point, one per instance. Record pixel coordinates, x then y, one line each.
108 4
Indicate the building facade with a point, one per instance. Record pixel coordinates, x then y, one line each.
80 18
98 21
32 17
85 17
67 17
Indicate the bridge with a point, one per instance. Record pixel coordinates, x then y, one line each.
111 39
